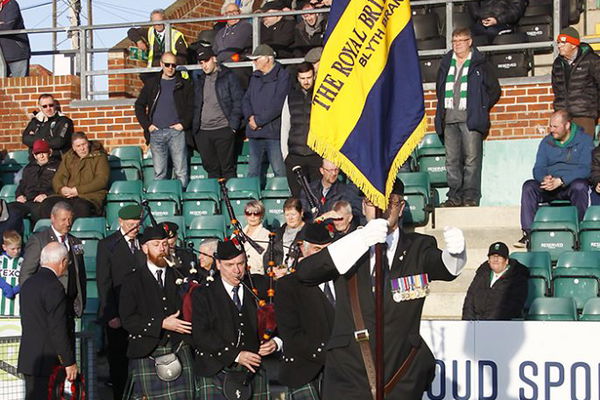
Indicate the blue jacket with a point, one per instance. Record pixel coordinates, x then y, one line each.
229 96
569 161
14 47
264 99
483 91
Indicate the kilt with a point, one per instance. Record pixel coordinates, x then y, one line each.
309 391
211 388
146 384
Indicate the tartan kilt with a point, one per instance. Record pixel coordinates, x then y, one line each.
309 391
211 388
146 384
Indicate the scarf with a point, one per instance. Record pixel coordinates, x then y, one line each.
451 81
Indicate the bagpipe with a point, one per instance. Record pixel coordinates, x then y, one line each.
59 388
313 201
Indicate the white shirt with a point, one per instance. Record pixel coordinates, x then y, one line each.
496 276
58 235
392 243
331 286
153 268
128 239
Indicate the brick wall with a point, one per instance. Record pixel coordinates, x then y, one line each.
521 110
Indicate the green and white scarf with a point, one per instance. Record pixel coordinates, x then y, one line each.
451 81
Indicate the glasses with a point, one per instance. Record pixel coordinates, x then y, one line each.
255 213
170 65
232 13
51 105
460 40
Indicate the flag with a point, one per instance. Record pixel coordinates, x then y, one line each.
368 111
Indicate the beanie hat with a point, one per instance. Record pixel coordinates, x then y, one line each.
570 35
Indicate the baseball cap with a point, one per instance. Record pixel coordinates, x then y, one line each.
205 53
40 146
261 51
498 248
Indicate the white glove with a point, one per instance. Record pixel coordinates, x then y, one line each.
455 240
374 232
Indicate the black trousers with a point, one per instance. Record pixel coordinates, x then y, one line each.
81 207
36 387
310 166
28 208
217 150
117 360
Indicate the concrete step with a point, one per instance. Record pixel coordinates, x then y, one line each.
476 217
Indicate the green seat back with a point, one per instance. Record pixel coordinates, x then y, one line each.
215 222
276 187
579 289
536 287
553 309
242 170
417 189
21 157
579 259
557 214
589 235
92 302
274 213
112 210
201 189
591 310
41 225
592 214
8 192
133 153
90 224
197 171
197 208
238 206
244 188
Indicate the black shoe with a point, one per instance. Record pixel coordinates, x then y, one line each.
523 243
450 203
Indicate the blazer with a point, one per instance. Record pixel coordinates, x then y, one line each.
304 322
114 260
345 375
75 276
46 340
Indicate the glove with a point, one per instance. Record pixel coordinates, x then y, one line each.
374 232
455 240
16 289
7 290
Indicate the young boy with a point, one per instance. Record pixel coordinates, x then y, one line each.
10 265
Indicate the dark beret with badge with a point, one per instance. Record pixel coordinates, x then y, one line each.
229 249
318 233
170 228
154 233
131 211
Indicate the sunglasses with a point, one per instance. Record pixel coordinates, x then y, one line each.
170 65
48 105
255 213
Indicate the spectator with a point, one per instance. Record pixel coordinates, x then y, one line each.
262 105
182 257
499 289
164 109
152 39
309 32
208 247
10 266
496 17
576 80
343 220
34 187
245 6
74 282
51 125
288 233
117 256
561 171
149 309
14 48
47 340
81 179
255 214
217 115
314 57
466 91
277 32
295 122
330 189
234 40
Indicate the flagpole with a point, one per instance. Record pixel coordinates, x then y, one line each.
379 286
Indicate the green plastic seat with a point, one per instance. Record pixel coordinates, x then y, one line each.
276 188
579 259
577 285
591 310
430 156
552 309
198 208
244 188
242 170
538 263
93 301
197 171
90 266
125 163
554 229
112 210
274 217
125 190
589 230
21 157
212 226
536 287
243 153
129 153
41 225
238 206
417 190
164 197
8 192
216 222
195 159
147 174
203 189
90 227
197 236
592 214
26 229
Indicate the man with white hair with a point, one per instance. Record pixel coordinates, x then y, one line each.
47 340
235 38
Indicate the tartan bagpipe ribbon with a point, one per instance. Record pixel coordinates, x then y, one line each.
368 111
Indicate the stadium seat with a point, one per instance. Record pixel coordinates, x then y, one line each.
11 164
164 197
536 287
426 26
577 275
41 225
242 170
244 188
238 206
121 194
211 226
511 63
538 28
92 302
591 310
243 153
417 194
540 273
552 309
197 171
26 229
202 197
195 159
432 44
89 227
273 213
125 163
276 188
555 230
429 68
589 230
147 171
8 192
90 266
431 158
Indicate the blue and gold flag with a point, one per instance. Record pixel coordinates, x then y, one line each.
368 112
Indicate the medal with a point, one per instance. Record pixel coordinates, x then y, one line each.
410 287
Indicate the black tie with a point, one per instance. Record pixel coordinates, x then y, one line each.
236 298
132 245
329 294
159 278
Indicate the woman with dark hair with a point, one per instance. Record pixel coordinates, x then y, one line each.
287 234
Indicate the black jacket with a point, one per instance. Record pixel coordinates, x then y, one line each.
46 340
338 191
503 301
229 95
345 376
114 261
505 11
143 306
576 86
595 173
483 91
304 321
277 247
56 130
279 36
146 102
37 179
14 47
303 42
299 105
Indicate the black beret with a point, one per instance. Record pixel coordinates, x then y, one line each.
131 211
154 233
318 233
170 228
229 249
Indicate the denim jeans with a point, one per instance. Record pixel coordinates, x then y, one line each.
18 68
464 150
169 142
272 147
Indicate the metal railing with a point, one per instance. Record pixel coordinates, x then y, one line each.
12 384
87 72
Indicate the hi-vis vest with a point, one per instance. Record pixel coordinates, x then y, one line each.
175 36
